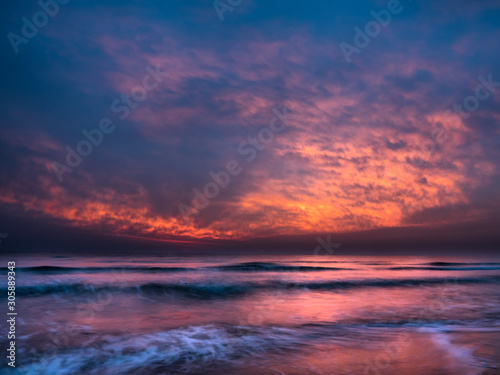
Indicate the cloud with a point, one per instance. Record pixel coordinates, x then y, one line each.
398 145
369 146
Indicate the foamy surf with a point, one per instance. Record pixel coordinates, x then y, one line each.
184 349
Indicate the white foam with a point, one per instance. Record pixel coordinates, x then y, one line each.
461 355
187 348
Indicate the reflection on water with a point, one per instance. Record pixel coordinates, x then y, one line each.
265 315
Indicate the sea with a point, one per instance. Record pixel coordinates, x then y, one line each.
228 314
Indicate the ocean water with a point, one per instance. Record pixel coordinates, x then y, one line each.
255 315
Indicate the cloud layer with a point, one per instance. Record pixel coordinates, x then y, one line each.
374 143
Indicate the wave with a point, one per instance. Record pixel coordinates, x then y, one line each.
255 267
244 267
330 285
61 269
225 290
182 350
448 264
260 266
201 291
210 349
448 268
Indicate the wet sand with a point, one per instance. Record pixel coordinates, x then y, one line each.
487 352
413 353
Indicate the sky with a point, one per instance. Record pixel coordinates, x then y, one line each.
187 122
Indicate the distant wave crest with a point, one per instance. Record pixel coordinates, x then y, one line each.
202 290
242 267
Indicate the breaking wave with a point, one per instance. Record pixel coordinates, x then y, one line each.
223 290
